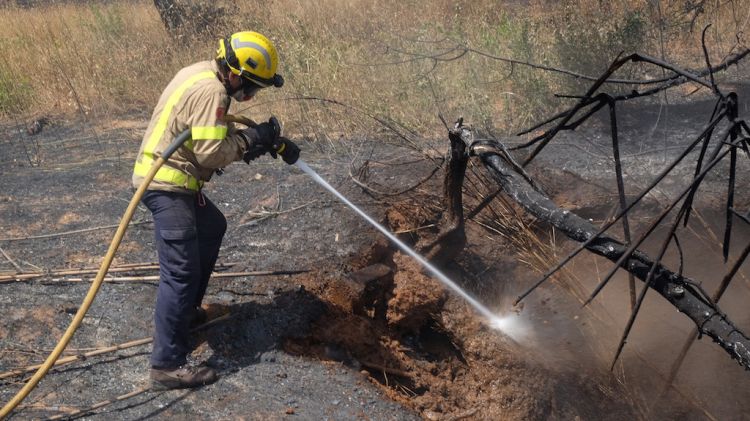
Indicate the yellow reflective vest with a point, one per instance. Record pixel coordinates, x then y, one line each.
195 99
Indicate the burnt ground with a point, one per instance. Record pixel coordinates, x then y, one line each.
364 334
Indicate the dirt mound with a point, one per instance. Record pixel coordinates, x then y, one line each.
415 297
428 350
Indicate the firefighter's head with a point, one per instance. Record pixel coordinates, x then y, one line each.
250 61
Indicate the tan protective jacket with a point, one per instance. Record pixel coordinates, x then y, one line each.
197 100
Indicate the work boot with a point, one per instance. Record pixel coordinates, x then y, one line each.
181 377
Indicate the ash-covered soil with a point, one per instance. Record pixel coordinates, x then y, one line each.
77 178
362 334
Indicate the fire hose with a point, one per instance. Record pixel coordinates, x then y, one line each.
97 283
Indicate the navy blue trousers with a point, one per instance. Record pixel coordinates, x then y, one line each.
188 229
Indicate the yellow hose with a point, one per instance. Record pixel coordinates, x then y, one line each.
89 299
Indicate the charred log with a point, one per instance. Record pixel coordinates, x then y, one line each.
678 290
452 237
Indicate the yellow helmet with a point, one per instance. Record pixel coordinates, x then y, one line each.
252 56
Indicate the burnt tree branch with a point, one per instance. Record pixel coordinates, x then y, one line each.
680 76
678 290
451 239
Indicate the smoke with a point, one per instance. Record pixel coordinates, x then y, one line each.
569 337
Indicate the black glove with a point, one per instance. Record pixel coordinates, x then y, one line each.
265 138
254 150
261 139
268 134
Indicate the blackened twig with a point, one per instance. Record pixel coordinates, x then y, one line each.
619 215
621 192
653 226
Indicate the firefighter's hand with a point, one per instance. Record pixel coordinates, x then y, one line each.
288 150
268 133
253 151
261 139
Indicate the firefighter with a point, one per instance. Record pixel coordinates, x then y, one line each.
188 227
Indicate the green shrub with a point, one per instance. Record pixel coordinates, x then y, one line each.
588 43
15 92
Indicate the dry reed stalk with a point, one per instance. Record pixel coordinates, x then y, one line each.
13 262
73 358
101 404
11 277
68 410
148 278
156 277
59 234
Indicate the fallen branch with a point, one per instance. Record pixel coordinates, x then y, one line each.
680 291
695 334
73 358
12 262
148 278
66 272
127 267
54 408
60 234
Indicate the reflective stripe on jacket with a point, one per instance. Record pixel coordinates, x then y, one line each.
194 99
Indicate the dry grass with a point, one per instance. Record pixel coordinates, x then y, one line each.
112 58
399 62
